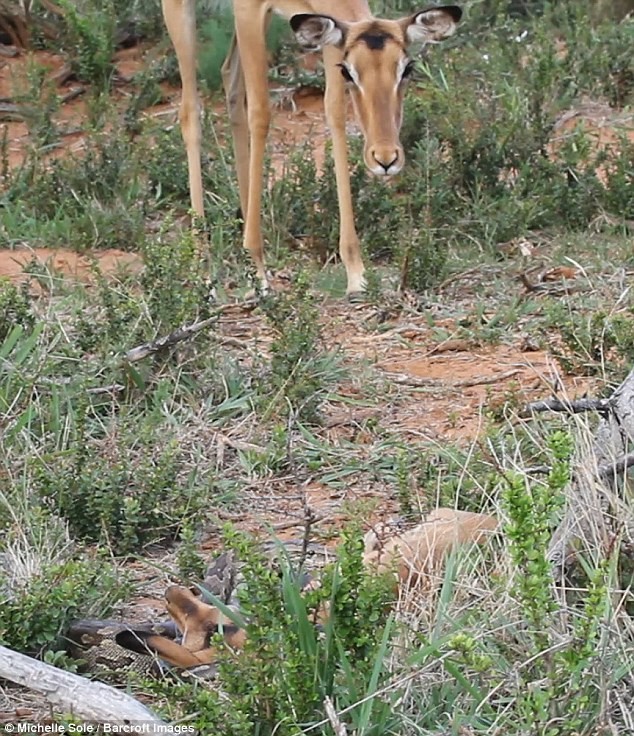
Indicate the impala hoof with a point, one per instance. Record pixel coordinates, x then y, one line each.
356 297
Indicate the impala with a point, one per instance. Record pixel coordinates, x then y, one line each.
364 54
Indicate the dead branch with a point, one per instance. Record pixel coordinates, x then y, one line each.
72 95
603 406
404 380
486 380
92 701
337 726
168 341
10 113
610 471
8 51
595 503
316 518
184 333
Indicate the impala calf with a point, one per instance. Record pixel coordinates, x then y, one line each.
365 54
414 557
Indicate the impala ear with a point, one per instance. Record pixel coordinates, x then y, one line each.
315 31
432 25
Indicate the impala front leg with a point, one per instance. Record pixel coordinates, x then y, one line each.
180 19
251 21
335 105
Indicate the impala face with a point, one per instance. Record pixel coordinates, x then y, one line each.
375 67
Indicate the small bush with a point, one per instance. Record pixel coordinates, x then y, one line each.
122 499
300 369
35 612
90 40
15 307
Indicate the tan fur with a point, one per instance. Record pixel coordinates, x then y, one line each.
417 555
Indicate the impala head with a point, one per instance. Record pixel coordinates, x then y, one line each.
375 67
198 623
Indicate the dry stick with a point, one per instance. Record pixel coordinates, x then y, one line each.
9 51
578 406
72 95
614 437
337 726
154 346
610 470
184 333
478 381
299 522
92 701
485 380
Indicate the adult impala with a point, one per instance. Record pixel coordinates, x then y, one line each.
365 54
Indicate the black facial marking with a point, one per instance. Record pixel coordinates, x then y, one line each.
375 40
345 73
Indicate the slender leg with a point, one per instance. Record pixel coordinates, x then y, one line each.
180 19
334 101
251 20
236 95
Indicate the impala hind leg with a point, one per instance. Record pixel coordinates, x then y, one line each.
180 19
236 96
251 22
335 105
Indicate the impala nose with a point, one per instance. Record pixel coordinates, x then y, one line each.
386 160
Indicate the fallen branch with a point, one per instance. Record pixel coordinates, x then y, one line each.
91 701
337 726
184 333
578 406
486 380
609 471
8 51
405 380
10 113
72 95
168 341
316 518
596 508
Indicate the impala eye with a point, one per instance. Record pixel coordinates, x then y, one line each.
345 73
409 68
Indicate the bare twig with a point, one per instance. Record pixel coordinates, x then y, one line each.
405 380
538 470
168 341
578 406
10 112
299 522
610 470
485 380
72 95
337 726
9 51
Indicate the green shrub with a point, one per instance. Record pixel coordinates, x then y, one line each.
125 499
90 40
34 615
300 369
15 307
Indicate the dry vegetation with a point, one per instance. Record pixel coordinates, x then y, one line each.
501 269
